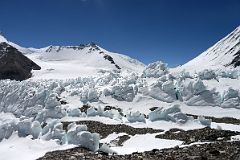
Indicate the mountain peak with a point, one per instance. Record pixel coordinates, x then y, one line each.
238 28
91 46
225 53
2 38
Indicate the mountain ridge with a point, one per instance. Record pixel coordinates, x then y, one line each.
223 54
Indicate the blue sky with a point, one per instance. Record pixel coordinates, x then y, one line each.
173 31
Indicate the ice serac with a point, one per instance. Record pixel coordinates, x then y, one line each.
13 64
225 53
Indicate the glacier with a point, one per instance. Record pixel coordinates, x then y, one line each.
116 89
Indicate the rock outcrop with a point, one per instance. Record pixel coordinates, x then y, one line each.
14 65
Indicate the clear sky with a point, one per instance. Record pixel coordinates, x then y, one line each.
173 31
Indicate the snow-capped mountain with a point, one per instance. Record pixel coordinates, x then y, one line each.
2 38
225 53
21 49
63 62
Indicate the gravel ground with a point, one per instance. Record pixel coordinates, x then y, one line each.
105 129
198 135
208 151
217 146
123 139
228 120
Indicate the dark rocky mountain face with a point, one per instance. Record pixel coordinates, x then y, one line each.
14 65
236 61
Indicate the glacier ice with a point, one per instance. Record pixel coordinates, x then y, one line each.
36 129
92 112
172 113
135 117
56 112
156 70
123 92
24 127
166 91
198 87
53 129
76 112
51 101
38 98
184 75
197 94
88 95
88 140
113 113
204 121
207 74
6 130
230 99
233 74
78 134
106 149
73 129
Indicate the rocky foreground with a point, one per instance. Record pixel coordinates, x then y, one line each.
207 151
199 144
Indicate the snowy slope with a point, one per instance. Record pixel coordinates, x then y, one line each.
63 62
21 49
224 53
27 148
2 38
